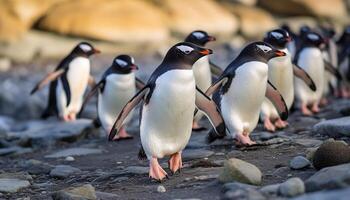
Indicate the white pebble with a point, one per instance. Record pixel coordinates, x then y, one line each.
69 158
161 189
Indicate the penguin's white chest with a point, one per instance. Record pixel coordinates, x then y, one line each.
78 76
118 90
241 104
167 119
202 74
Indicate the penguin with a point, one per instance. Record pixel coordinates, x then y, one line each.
117 85
280 74
344 63
311 60
291 44
201 68
169 100
243 86
68 83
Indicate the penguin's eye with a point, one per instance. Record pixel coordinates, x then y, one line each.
185 49
264 48
121 63
198 35
85 47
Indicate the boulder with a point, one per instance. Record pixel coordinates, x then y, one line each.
334 127
111 20
241 171
299 162
208 15
342 194
254 22
317 8
331 153
86 192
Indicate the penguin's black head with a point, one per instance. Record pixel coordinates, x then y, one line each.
313 39
303 30
261 51
278 38
124 64
85 49
327 31
199 38
186 53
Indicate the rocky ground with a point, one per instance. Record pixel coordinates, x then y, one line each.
56 160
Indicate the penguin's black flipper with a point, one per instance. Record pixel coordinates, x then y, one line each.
91 93
47 79
51 109
142 154
215 69
216 85
66 88
303 75
139 83
139 96
277 100
329 67
208 106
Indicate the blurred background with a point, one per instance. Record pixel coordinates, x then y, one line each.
36 34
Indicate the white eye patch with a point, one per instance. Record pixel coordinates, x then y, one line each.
313 37
121 63
185 49
276 35
132 60
264 48
198 35
85 47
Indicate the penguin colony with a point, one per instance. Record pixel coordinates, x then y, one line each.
262 82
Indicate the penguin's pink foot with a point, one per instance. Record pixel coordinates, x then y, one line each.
344 93
122 135
324 101
175 162
315 107
244 139
197 127
66 118
305 110
279 123
156 171
72 116
268 125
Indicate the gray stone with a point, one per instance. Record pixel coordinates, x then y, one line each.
342 194
64 171
12 184
244 194
85 192
241 171
161 189
333 127
79 151
292 187
191 154
69 158
36 167
6 123
308 142
14 150
17 175
270 189
137 170
106 196
266 135
329 178
237 186
299 162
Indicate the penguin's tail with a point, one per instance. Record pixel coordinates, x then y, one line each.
48 112
97 123
213 135
142 154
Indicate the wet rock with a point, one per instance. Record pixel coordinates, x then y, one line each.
331 153
342 194
247 193
69 158
64 171
137 170
308 142
329 178
42 133
266 135
334 127
270 189
299 162
292 187
6 123
79 151
12 184
161 189
191 154
106 196
17 175
14 150
237 186
241 171
86 192
310 153
36 167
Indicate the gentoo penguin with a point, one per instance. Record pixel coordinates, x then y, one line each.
344 63
115 88
311 60
291 44
280 74
201 68
169 100
68 83
243 86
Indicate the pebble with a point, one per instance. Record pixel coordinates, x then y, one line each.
86 192
12 185
299 162
63 171
192 154
292 187
161 189
270 189
137 170
69 158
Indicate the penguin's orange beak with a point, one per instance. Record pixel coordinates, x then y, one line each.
279 53
289 39
211 38
96 51
134 67
206 51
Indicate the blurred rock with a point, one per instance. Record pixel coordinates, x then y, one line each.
334 127
14 150
36 167
186 16
254 22
317 8
6 123
118 21
86 192
64 171
5 64
17 175
241 171
161 189
326 195
292 187
191 154
296 22
244 2
270 189
329 178
137 170
331 153
79 151
299 162
310 153
12 185
106 196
